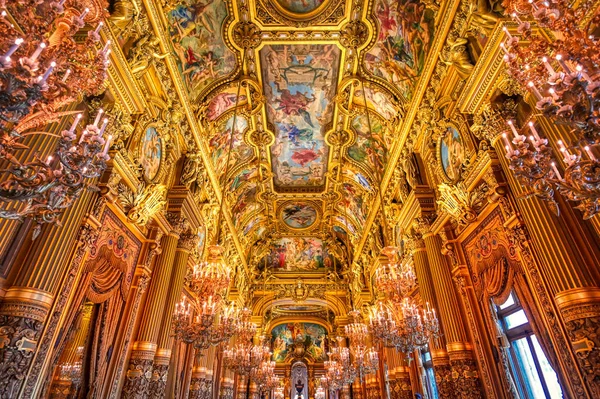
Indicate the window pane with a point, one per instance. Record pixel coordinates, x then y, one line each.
431 386
549 373
509 302
516 319
528 370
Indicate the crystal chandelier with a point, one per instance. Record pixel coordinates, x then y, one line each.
414 328
207 327
49 186
395 280
244 356
211 277
320 393
44 69
562 75
279 393
365 360
339 369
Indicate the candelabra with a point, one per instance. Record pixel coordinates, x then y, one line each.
563 77
320 393
365 360
339 370
207 327
47 187
395 280
212 277
533 164
244 356
414 328
279 393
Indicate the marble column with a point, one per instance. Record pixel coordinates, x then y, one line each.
140 372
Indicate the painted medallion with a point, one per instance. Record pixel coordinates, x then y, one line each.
151 153
298 215
452 153
300 6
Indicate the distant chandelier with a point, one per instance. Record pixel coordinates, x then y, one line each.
279 392
320 393
244 356
407 329
395 280
207 327
44 69
264 376
339 370
563 77
365 359
211 277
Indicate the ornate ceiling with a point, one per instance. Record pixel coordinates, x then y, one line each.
308 152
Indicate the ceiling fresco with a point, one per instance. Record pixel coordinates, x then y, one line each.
299 82
317 105
406 30
196 29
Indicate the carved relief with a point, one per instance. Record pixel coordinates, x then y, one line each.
137 379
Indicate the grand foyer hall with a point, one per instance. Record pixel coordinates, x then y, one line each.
299 199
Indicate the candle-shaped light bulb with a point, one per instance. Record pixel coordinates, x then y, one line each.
506 142
49 159
514 130
503 47
106 47
505 29
98 116
548 66
66 75
534 130
97 30
107 145
37 51
104 124
83 14
48 72
562 63
589 152
555 170
536 93
13 48
75 123
82 136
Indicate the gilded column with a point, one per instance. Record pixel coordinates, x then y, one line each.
464 368
165 338
402 383
37 298
561 265
439 356
139 374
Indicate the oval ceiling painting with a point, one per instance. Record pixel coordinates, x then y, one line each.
298 215
301 7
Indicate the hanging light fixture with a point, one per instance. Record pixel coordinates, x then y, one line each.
244 356
563 76
207 328
211 277
394 279
365 359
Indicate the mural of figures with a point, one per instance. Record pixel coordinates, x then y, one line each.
221 103
297 254
377 101
452 153
344 224
354 204
312 336
245 202
219 143
196 31
406 30
369 147
299 82
151 153
300 6
298 215
359 178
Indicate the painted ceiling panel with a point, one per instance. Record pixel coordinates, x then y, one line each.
406 29
299 82
196 30
219 144
370 148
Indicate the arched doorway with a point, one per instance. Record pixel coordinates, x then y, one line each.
299 381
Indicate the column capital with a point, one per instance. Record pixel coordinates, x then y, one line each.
422 225
187 241
178 223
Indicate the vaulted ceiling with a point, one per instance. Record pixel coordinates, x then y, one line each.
314 92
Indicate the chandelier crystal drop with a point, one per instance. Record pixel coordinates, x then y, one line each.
563 76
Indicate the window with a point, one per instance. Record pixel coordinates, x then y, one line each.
429 384
534 377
